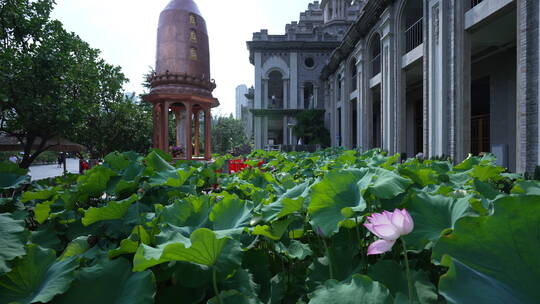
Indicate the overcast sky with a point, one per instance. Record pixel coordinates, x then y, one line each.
125 31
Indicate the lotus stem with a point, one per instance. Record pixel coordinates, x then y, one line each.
409 281
330 267
214 282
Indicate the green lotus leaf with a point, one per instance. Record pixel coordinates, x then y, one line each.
361 289
37 277
112 211
94 182
421 176
432 214
131 244
163 174
531 187
47 237
487 172
295 250
273 231
117 161
13 237
394 277
230 213
76 247
337 190
111 282
493 259
204 247
233 297
383 183
290 202
11 176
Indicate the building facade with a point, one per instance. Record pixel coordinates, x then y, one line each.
440 78
288 68
437 77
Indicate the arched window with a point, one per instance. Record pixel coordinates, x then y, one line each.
354 76
309 97
193 54
275 90
412 24
192 19
375 52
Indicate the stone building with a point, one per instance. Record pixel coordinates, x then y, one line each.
439 77
288 68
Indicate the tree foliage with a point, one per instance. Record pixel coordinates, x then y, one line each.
310 128
50 79
227 134
120 125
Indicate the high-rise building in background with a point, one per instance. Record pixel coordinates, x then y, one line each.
241 100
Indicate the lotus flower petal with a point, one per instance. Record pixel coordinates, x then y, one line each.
386 232
380 247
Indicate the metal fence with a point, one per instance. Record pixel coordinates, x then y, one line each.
475 2
414 35
376 65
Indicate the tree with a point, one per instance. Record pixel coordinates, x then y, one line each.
227 134
120 125
310 128
50 80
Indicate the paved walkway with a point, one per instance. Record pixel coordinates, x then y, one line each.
45 171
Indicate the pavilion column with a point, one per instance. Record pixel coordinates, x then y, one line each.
189 147
197 133
178 124
164 127
207 134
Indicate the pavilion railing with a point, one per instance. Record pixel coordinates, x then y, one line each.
414 35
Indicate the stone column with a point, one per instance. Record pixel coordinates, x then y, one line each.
207 134
286 102
188 142
293 65
301 104
197 118
388 82
360 101
438 78
265 103
315 97
461 105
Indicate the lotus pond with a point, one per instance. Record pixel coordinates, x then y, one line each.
328 227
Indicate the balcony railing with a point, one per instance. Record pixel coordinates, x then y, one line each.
475 2
414 35
376 65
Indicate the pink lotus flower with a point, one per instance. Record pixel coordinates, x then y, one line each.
388 226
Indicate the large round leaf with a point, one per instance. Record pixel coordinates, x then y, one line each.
11 176
110 282
112 211
204 248
361 290
336 191
494 259
37 277
12 240
432 214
